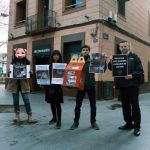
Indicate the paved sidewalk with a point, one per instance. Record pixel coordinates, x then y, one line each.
42 136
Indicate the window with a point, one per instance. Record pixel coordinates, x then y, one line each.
21 11
121 7
69 4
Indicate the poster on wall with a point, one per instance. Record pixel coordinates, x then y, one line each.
42 74
19 71
58 70
97 63
119 65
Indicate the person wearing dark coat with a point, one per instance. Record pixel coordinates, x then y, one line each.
90 89
128 87
54 93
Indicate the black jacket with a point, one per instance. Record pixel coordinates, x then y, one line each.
135 68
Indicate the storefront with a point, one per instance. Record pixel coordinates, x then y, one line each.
41 51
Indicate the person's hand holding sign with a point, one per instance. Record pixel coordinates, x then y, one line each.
129 77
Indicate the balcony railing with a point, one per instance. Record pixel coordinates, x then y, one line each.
42 22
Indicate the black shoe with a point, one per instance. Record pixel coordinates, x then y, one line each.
52 121
58 125
126 127
74 126
95 126
137 131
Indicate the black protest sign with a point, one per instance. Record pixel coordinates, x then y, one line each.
120 65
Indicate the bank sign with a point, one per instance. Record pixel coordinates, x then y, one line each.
41 52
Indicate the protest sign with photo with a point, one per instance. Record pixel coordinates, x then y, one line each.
42 74
19 71
97 63
74 75
119 65
58 73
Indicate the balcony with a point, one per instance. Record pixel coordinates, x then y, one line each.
41 23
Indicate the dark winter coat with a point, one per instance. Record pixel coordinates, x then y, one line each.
53 93
135 68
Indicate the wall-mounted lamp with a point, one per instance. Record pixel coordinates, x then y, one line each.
87 17
94 31
58 24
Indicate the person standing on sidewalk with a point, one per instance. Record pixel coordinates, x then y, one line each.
54 93
129 89
90 89
20 85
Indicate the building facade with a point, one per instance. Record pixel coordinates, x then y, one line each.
44 25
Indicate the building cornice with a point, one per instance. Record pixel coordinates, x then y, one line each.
108 24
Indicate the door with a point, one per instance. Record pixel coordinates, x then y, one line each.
71 49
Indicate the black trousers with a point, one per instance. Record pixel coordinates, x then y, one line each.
79 100
130 106
56 111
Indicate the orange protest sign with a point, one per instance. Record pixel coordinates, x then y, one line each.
74 75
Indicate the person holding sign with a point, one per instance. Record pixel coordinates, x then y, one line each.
19 83
89 88
54 93
128 85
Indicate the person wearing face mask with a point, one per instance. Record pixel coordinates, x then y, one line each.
129 89
54 93
90 89
20 85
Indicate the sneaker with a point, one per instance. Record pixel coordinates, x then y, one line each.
137 131
58 125
74 126
126 127
52 121
95 126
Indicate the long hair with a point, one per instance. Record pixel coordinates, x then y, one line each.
58 53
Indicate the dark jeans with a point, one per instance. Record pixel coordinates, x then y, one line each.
130 105
56 111
25 98
79 100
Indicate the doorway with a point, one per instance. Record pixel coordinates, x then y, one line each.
71 49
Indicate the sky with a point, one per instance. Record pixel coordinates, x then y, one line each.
4 21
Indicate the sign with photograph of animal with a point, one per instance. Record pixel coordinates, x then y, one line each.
58 70
97 63
19 71
42 74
